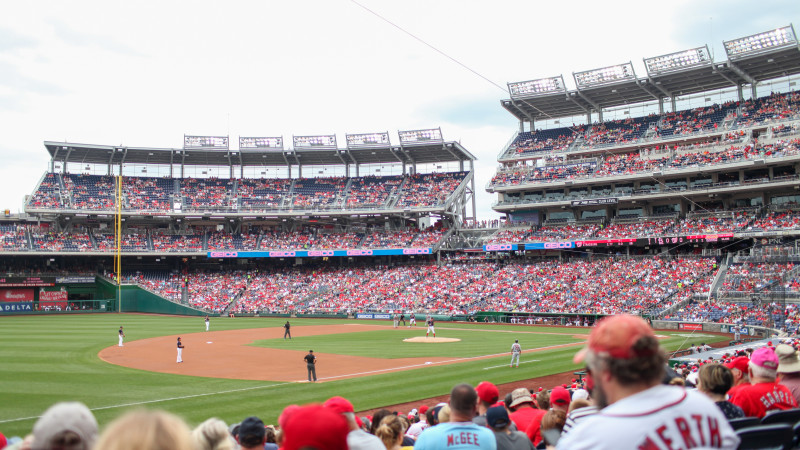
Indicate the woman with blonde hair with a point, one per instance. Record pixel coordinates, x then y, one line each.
153 430
212 435
391 431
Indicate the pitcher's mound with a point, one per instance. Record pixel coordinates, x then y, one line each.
431 340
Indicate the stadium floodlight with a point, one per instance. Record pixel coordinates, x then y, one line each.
541 86
672 62
327 141
260 143
368 140
211 142
421 136
605 75
760 43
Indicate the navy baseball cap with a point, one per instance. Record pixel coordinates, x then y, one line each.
251 431
497 417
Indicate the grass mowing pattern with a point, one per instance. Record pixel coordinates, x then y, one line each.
46 359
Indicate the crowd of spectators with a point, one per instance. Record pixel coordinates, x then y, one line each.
263 193
148 194
554 140
13 238
95 192
188 241
312 193
426 190
48 194
751 277
704 118
618 132
43 239
616 164
723 222
641 228
600 286
132 241
775 107
776 220
372 191
311 238
206 193
563 232
226 241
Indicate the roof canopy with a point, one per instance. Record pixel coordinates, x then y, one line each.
752 59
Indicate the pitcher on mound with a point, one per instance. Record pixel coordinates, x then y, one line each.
430 328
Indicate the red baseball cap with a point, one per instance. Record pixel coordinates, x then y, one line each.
559 396
740 362
317 427
487 392
615 335
339 404
423 409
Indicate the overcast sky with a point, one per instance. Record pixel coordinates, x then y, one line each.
113 72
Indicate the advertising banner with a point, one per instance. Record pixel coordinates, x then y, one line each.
53 298
13 307
16 295
691 326
373 316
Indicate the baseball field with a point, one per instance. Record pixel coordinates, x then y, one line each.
243 366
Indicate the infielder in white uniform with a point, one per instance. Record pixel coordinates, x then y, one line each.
180 350
121 335
396 318
515 351
207 322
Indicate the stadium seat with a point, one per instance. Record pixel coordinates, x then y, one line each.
775 436
744 422
789 416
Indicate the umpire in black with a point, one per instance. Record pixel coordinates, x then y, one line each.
311 362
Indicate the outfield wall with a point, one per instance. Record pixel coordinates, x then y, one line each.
135 299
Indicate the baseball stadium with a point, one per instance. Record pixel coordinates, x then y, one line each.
672 196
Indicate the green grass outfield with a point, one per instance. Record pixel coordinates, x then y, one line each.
46 359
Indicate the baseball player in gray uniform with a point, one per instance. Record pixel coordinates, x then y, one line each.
515 351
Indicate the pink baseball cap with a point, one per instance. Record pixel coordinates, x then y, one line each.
615 335
765 357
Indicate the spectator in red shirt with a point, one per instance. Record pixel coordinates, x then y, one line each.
525 415
764 393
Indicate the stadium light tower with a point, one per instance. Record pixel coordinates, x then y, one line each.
765 42
542 86
604 75
674 62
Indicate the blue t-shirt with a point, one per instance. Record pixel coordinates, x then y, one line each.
456 435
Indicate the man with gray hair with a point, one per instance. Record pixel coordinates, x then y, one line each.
357 439
626 364
763 393
65 425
